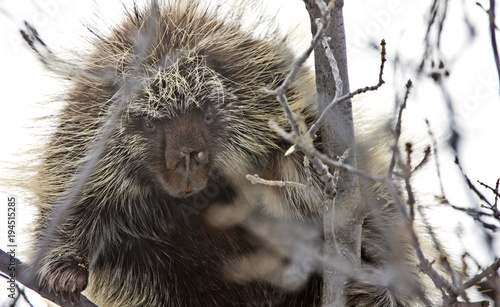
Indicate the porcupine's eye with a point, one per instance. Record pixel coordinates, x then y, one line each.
148 124
209 116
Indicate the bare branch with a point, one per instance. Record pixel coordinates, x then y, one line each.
436 156
425 159
493 28
470 184
323 24
437 15
280 91
397 130
315 127
487 272
255 179
310 151
449 291
494 207
424 265
409 189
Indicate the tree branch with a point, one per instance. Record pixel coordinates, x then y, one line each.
255 179
487 272
493 28
345 98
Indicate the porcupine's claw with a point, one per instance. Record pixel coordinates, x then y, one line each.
66 280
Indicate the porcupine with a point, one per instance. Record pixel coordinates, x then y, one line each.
192 122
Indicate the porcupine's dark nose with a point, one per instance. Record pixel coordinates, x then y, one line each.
186 147
186 155
191 160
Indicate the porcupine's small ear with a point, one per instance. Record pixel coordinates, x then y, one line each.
51 61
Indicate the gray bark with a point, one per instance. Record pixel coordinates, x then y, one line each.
342 221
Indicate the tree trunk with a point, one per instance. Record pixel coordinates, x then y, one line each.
342 223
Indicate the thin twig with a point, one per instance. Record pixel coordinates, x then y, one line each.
492 269
255 179
397 130
436 156
449 291
454 138
441 23
425 159
294 120
315 127
494 190
425 266
493 28
409 189
280 91
432 19
310 151
470 184
494 207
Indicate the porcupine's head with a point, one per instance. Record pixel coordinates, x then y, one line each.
194 105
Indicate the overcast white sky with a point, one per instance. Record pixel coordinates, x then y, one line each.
473 83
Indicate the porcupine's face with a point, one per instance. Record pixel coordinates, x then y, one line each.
180 149
177 126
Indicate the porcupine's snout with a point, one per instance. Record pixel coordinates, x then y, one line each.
187 164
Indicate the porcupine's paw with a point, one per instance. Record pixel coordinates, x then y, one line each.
65 279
